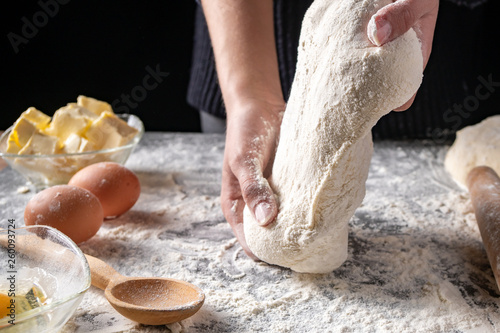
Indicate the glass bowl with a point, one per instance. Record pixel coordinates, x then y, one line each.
43 171
42 266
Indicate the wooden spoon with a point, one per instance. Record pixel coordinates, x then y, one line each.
150 301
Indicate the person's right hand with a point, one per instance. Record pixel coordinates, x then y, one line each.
251 140
242 35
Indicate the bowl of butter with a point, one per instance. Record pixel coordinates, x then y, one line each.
48 150
44 279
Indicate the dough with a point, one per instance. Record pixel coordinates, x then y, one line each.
474 146
342 86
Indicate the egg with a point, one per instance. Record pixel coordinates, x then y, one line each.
74 211
116 187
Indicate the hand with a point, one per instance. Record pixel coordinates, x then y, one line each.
397 18
251 140
242 34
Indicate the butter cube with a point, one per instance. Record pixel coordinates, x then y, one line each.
24 127
77 144
37 117
42 144
109 131
70 119
86 145
72 143
21 133
94 105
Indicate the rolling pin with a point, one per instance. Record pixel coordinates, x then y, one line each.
484 188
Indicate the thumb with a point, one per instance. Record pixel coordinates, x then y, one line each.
395 19
259 198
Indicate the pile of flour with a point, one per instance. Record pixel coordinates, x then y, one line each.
342 86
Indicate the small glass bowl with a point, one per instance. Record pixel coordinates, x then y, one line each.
42 256
43 171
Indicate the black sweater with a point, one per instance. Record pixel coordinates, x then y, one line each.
461 83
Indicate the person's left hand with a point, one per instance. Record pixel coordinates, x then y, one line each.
397 18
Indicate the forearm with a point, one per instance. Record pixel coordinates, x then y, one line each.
242 34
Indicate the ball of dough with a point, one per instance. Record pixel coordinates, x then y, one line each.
475 145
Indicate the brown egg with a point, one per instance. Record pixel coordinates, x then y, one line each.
117 187
72 210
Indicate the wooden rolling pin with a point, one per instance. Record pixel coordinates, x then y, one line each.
484 188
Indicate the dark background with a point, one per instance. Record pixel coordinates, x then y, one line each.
99 49
102 49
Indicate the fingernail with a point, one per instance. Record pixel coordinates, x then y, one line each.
263 213
379 31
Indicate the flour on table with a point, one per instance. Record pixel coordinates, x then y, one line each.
342 86
416 263
475 146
